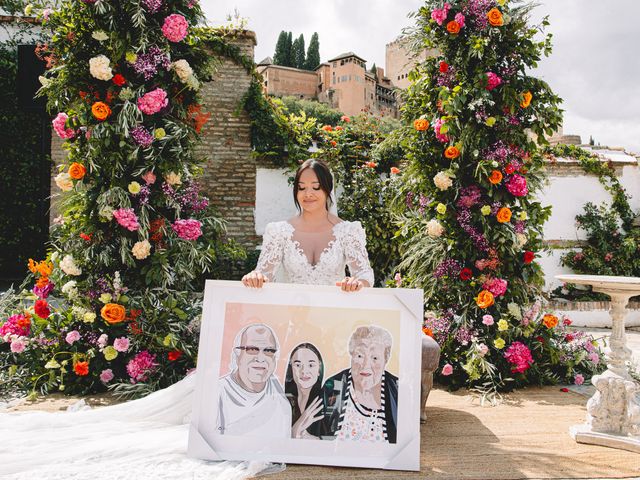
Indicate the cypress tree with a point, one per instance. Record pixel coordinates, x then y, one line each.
298 52
289 61
313 53
279 57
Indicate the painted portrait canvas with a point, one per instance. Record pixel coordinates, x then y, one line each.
308 374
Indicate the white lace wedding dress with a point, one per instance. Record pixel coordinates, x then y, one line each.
147 438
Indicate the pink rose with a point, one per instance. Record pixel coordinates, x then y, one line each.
106 376
460 19
18 345
517 186
103 339
483 349
497 286
447 370
175 27
578 379
72 336
594 358
121 344
487 320
153 101
493 81
149 178
60 128
439 15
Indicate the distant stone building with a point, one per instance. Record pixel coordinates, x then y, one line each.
343 83
399 61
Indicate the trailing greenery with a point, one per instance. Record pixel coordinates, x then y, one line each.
470 224
323 113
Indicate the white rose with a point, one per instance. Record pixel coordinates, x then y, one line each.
69 289
182 69
99 68
141 249
522 239
442 181
64 182
173 178
68 266
78 312
89 317
434 228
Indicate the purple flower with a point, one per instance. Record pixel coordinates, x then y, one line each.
43 292
142 136
469 196
147 63
152 6
448 267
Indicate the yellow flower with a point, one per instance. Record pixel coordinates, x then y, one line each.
131 57
503 325
110 353
485 210
502 2
441 208
105 298
498 343
159 133
167 340
523 216
490 122
89 317
134 188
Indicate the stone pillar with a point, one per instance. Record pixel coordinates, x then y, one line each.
229 178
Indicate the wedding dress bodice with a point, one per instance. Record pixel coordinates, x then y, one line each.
283 248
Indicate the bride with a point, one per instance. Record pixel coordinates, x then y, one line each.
147 438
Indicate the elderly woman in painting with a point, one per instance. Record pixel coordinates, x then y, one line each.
361 402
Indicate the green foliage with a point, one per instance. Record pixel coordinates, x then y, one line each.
280 55
313 53
469 221
288 51
324 114
297 52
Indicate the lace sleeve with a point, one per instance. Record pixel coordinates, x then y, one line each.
272 251
355 251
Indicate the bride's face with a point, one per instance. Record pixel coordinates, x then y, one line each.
311 197
305 367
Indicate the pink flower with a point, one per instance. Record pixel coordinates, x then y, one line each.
18 344
175 27
153 101
447 370
497 286
517 186
487 320
578 379
594 357
121 344
43 292
18 324
106 376
439 15
103 339
398 279
483 349
187 229
72 336
149 178
493 81
127 218
460 19
140 366
519 356
437 125
59 126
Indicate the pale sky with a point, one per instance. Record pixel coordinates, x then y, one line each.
595 66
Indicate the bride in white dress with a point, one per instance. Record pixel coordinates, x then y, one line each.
147 438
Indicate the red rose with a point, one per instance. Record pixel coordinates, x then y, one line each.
42 308
466 274
174 355
569 337
86 237
566 321
540 339
81 368
118 79
444 67
509 169
529 256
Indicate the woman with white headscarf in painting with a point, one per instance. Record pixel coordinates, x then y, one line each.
361 402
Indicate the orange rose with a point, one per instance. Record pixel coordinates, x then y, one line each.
77 171
394 171
495 177
495 17
485 299
427 331
504 215
549 320
100 110
327 128
113 313
421 124
81 368
453 27
452 152
526 99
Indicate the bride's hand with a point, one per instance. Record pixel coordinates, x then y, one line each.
254 279
350 284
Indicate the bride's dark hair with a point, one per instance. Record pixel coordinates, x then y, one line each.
324 177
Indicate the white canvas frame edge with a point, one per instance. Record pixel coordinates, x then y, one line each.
406 452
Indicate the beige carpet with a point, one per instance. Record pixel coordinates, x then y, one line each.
524 437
